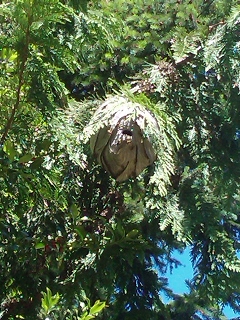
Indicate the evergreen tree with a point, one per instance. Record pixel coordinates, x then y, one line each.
76 243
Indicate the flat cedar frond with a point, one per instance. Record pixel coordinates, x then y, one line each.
170 215
185 46
222 48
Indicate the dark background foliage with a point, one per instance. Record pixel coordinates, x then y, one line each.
74 243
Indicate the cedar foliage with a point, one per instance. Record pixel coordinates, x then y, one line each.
73 240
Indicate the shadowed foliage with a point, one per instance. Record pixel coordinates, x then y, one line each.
74 242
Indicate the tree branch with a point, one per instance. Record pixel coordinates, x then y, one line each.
20 83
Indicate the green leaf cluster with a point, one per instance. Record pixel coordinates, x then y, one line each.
76 244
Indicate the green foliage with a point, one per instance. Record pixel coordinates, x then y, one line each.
76 244
49 302
53 309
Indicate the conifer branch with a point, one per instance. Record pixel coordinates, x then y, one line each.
20 83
